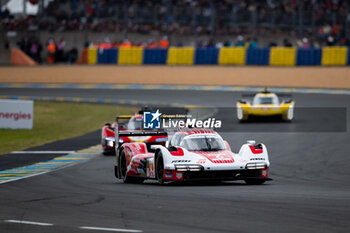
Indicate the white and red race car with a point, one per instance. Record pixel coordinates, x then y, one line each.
192 154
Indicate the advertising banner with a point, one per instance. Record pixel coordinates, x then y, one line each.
16 114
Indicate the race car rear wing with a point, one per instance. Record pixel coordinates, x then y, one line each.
119 135
119 132
280 95
283 97
142 133
126 117
163 116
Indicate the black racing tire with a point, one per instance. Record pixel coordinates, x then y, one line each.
116 171
285 119
245 119
160 168
123 168
122 165
254 182
110 152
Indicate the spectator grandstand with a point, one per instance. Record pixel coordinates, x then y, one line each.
163 23
315 19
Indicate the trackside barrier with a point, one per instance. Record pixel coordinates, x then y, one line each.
334 56
232 56
280 56
155 56
130 56
107 56
309 57
180 56
102 56
83 59
277 56
258 56
18 57
206 56
92 56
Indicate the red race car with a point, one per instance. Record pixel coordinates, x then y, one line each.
129 131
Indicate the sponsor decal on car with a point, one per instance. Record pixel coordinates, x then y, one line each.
201 161
181 161
161 139
150 169
178 176
264 173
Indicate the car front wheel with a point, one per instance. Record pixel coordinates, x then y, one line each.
123 171
160 168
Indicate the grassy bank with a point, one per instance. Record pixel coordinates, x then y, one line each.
55 121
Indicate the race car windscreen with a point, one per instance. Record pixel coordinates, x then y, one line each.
204 143
135 124
265 100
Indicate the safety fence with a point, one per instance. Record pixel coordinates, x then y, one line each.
275 56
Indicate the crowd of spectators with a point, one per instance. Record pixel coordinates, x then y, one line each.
239 41
32 47
320 18
126 43
56 52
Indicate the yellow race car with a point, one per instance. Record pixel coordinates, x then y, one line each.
265 104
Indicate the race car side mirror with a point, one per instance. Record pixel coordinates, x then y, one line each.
242 101
251 142
121 126
288 101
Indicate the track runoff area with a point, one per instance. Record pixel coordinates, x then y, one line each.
310 191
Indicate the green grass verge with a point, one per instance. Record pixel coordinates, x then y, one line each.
55 121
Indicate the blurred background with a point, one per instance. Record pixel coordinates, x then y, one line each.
52 31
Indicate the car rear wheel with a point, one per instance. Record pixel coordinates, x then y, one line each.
160 168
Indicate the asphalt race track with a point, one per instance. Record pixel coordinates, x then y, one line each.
310 191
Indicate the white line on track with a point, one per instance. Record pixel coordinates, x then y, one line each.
42 152
29 222
109 229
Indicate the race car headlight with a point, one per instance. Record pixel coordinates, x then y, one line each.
256 165
191 168
110 141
